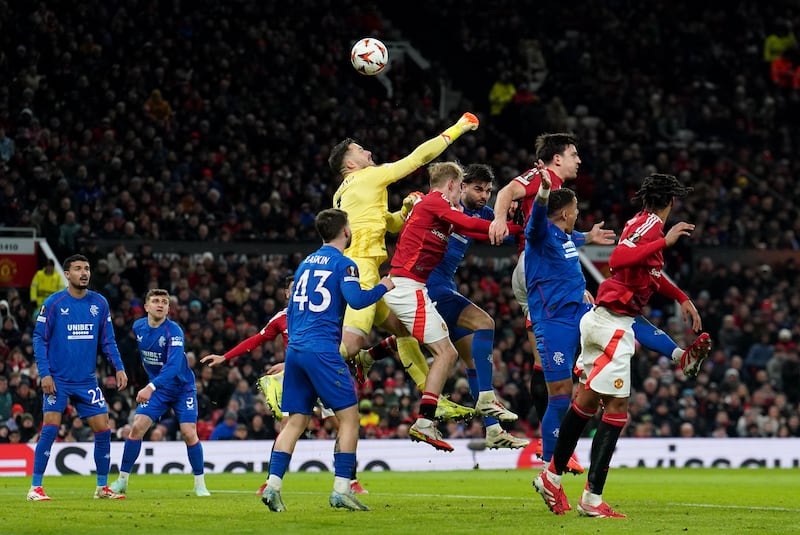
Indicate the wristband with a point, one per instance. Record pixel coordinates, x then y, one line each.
544 193
151 385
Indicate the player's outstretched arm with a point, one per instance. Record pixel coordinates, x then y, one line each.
359 298
431 148
498 230
600 236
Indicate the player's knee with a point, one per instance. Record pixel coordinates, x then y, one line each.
486 322
447 354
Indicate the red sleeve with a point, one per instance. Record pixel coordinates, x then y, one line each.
513 230
669 290
627 254
463 223
530 180
274 327
248 345
269 333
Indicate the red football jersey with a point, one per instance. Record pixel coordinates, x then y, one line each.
531 180
276 326
636 265
423 240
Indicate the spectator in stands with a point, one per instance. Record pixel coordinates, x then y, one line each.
45 282
6 400
226 428
118 258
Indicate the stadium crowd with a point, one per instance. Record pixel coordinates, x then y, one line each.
134 122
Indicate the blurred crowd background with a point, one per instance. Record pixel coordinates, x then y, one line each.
128 124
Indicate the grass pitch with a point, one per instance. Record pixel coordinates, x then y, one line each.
427 503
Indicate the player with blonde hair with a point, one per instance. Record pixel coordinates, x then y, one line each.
363 195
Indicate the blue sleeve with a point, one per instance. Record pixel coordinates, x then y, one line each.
578 238
41 341
175 357
537 224
358 298
351 288
110 349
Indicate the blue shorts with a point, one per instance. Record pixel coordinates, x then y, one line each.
450 304
309 375
86 396
183 402
558 340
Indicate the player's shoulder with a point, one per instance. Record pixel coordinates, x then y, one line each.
55 297
139 324
645 221
526 177
96 297
173 327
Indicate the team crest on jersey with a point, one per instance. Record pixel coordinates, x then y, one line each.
162 341
94 310
352 271
618 383
64 311
51 399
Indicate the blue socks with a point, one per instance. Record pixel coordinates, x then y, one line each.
129 454
482 347
557 407
343 464
652 337
279 463
102 456
42 454
195 452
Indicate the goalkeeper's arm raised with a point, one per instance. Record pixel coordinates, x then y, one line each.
429 150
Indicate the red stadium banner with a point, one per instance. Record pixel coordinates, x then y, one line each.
17 261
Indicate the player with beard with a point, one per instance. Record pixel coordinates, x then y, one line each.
71 326
471 328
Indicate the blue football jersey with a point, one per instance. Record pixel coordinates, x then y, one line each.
443 276
324 283
553 271
68 333
161 349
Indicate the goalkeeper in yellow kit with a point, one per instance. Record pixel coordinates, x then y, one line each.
363 195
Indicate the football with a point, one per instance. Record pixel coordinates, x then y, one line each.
369 56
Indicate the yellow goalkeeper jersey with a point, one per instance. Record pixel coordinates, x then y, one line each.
363 195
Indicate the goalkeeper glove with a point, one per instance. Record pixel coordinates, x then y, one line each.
408 203
466 123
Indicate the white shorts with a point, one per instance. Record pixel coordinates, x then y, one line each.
519 285
410 303
607 347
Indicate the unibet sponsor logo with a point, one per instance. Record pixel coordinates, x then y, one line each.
152 357
80 331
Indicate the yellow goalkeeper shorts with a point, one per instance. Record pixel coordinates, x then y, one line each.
364 319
